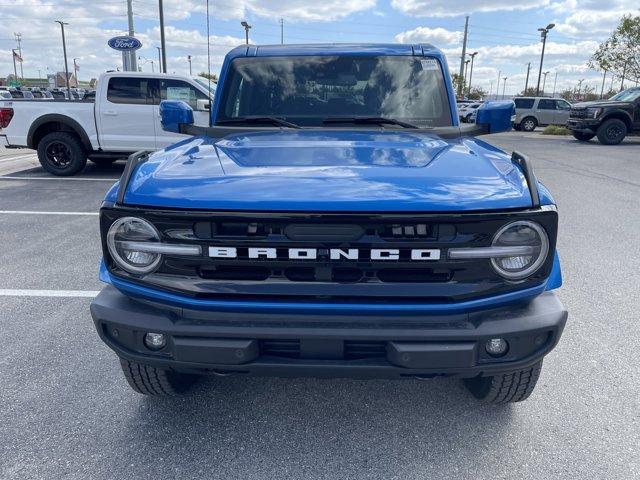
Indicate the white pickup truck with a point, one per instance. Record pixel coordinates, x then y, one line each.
123 118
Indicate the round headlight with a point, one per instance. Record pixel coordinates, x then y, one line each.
125 240
521 234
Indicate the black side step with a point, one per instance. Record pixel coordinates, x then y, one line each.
532 182
133 161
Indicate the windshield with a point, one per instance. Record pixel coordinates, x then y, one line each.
628 95
306 90
205 83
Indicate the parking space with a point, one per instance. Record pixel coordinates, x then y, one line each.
67 412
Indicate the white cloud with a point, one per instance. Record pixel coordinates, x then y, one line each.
438 36
452 8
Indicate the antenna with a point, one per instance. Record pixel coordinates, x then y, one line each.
209 65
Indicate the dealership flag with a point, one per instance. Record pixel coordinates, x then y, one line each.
17 57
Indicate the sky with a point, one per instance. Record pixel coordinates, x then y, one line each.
503 32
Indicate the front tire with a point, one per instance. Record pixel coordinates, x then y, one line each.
612 131
583 136
529 124
154 381
506 388
62 154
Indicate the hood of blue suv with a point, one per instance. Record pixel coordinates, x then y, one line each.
330 170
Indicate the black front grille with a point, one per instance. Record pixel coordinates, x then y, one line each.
578 113
351 349
324 278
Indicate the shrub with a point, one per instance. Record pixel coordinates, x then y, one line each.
556 130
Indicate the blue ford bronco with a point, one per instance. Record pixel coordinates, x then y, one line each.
334 220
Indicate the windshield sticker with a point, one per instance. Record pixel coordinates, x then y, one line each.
429 64
178 93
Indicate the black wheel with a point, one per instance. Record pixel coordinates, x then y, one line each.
516 127
103 162
528 124
583 136
62 153
149 380
509 387
612 131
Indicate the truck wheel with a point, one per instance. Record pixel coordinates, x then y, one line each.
62 154
509 387
612 131
149 380
583 136
529 124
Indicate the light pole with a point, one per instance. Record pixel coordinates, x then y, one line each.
466 69
498 88
162 42
473 56
15 70
504 86
147 60
64 50
544 82
526 82
282 31
189 58
159 59
76 67
543 34
246 31
604 78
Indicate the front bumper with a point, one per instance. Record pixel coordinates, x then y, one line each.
583 125
328 345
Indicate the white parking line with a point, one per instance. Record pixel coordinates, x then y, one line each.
48 293
77 179
30 212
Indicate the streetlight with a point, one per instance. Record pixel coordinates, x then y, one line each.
543 34
466 69
504 86
246 31
146 60
526 82
64 49
545 81
473 56
159 59
189 59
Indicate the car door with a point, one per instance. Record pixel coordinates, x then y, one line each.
563 109
176 89
546 111
125 117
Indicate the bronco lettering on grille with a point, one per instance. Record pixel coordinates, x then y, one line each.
271 253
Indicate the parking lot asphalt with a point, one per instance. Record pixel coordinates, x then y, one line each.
67 412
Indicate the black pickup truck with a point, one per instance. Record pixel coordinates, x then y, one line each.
610 120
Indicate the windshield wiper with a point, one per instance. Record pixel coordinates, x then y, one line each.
258 119
369 120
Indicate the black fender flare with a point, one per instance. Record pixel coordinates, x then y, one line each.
58 118
619 114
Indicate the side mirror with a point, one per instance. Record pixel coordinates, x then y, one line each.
173 114
496 116
203 105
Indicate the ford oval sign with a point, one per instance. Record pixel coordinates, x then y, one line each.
125 43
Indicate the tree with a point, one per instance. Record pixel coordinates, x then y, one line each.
456 79
529 92
214 77
477 93
620 53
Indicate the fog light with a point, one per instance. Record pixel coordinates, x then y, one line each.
155 341
497 347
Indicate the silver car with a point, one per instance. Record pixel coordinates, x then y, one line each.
532 112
